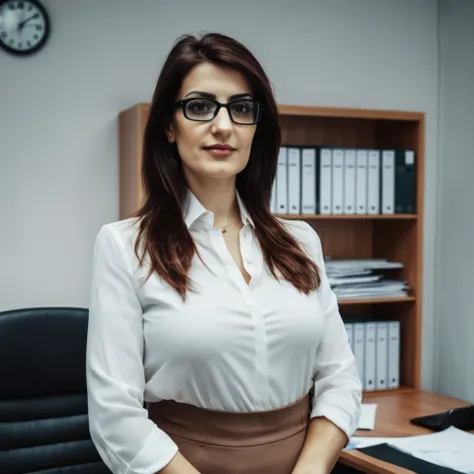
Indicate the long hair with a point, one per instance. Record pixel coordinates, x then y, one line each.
163 234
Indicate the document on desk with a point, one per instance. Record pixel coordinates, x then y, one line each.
367 416
451 448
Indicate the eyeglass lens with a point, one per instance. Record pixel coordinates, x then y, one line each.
241 111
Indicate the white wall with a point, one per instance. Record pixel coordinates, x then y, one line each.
455 229
58 120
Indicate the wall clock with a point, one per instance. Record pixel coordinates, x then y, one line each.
24 26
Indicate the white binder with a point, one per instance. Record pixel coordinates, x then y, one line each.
362 159
273 202
370 354
350 335
382 356
308 181
373 187
349 181
325 180
337 181
282 182
294 181
359 344
393 354
388 182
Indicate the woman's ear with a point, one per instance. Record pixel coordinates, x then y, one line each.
170 133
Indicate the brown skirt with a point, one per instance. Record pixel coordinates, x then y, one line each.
217 442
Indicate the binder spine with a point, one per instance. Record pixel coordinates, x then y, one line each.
325 181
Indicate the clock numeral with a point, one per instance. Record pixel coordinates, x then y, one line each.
20 5
11 6
30 8
35 37
4 34
29 44
39 27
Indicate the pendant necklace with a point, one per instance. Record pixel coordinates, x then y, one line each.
224 229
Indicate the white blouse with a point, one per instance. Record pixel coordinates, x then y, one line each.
230 346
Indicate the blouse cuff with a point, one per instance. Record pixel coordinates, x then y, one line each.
338 409
158 451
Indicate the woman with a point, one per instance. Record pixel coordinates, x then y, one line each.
215 344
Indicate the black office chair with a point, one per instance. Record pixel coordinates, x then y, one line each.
43 401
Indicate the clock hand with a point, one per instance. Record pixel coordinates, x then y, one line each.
22 24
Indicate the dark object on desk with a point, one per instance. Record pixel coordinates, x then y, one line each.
43 399
461 418
387 453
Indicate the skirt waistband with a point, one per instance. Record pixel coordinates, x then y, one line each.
233 429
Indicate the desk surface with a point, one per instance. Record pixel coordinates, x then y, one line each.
393 414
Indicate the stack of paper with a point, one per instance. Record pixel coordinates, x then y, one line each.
451 448
358 278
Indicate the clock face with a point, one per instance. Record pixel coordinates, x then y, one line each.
24 26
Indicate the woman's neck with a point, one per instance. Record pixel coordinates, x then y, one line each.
220 198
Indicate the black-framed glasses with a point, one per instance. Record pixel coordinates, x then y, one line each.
241 111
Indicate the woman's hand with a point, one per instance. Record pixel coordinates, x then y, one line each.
324 442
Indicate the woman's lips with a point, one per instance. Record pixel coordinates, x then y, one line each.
220 150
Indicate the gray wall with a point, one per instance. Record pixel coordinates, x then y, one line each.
58 126
455 227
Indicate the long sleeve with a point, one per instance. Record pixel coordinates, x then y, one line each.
127 441
337 385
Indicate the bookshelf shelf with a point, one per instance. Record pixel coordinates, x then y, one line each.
348 216
359 114
396 237
389 391
365 301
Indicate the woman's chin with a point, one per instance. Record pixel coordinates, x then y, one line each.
221 170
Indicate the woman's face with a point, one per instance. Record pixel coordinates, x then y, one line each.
195 139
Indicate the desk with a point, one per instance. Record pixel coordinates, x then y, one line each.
393 414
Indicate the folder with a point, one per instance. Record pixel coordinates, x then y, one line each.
337 181
393 354
369 359
394 456
405 182
325 181
388 182
350 335
273 203
362 159
294 180
359 344
349 181
308 180
282 181
373 186
382 356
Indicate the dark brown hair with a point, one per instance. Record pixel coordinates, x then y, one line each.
163 233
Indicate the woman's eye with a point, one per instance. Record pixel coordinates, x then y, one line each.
199 106
241 108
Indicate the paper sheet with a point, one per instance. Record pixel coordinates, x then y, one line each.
452 447
367 416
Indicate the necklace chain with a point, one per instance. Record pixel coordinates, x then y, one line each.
224 229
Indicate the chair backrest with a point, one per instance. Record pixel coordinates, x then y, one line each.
43 396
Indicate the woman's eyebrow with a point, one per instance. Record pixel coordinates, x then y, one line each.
207 95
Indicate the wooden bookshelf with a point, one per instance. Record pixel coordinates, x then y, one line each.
395 237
